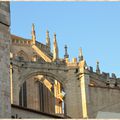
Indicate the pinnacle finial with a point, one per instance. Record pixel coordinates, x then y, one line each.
80 54
47 39
33 34
97 67
54 36
97 62
47 31
66 53
54 33
47 34
55 48
33 27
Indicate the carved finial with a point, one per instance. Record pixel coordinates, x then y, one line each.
33 27
54 38
55 48
48 39
33 34
66 54
80 54
97 67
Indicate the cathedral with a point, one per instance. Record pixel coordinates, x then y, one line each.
37 83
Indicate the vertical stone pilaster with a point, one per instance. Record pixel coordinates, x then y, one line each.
5 104
84 81
73 96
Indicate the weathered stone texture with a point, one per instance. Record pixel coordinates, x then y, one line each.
104 99
87 92
73 100
27 114
5 105
4 13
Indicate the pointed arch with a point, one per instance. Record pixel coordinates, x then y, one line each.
44 89
22 55
58 77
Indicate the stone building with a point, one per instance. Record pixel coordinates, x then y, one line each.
36 83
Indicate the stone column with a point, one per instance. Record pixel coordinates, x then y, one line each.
5 105
84 81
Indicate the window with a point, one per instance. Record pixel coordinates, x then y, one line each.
23 95
46 98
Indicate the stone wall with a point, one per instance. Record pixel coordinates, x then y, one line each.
73 92
5 105
86 93
103 99
20 112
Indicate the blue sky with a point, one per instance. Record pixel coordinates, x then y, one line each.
94 26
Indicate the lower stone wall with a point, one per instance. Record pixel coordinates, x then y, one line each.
20 112
73 95
103 99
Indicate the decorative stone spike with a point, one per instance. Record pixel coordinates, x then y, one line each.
66 53
97 67
55 49
48 40
33 34
80 55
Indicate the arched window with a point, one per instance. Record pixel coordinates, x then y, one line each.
23 95
43 94
46 98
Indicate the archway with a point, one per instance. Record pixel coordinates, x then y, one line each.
42 92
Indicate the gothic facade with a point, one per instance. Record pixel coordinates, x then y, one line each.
36 83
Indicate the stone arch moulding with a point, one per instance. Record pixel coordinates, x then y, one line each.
49 74
21 52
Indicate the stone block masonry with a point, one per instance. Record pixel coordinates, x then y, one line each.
5 105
